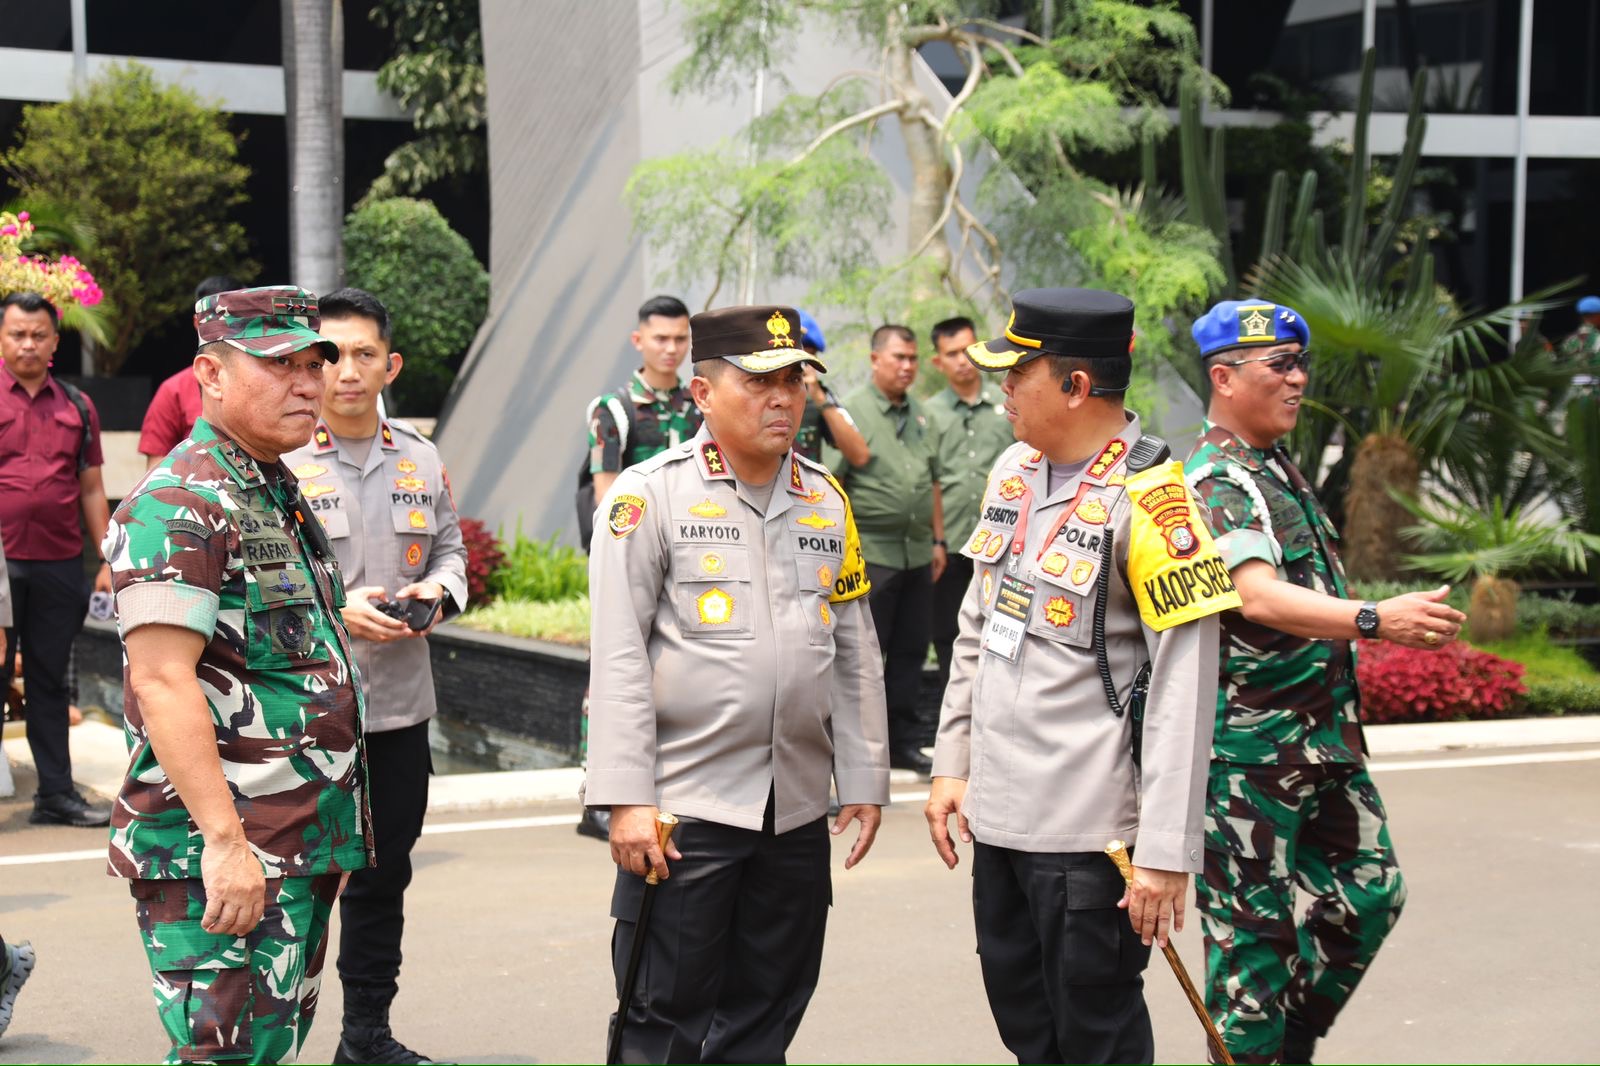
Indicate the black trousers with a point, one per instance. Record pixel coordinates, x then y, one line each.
48 602
948 592
1061 964
734 945
371 914
902 609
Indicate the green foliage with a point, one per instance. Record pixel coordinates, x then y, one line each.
540 570
1559 679
1459 541
437 74
563 621
1580 497
405 253
151 172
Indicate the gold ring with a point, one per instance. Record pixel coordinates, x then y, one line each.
1431 639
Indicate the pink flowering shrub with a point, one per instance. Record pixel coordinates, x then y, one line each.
65 282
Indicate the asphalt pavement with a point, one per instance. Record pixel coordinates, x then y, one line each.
1494 960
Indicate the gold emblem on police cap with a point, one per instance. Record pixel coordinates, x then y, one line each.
778 326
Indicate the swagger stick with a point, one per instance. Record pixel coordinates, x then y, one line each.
665 824
1117 852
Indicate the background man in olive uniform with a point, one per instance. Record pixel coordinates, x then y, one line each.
734 673
825 420
970 416
897 502
1289 801
380 490
228 596
1095 593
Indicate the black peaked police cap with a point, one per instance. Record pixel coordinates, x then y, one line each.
1086 323
754 339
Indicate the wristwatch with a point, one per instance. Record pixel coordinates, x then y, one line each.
1367 620
937 543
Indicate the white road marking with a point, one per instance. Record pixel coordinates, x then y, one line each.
546 821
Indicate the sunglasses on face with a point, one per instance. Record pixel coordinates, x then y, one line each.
1283 362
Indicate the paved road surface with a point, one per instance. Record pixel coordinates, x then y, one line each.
1497 958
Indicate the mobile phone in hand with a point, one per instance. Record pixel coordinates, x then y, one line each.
421 613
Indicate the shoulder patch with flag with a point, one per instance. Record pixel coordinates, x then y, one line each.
1173 565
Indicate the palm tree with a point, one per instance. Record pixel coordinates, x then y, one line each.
1492 546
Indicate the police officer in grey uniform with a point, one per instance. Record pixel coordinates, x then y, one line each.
735 673
379 488
1089 619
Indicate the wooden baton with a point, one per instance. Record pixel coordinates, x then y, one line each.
1117 852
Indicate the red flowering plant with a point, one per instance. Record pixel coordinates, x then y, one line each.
64 281
1400 684
484 557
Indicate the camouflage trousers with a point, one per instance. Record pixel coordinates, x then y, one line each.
1320 827
236 998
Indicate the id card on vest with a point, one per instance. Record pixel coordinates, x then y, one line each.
1008 622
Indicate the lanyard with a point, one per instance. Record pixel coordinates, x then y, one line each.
1021 535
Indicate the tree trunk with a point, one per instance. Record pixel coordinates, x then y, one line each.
312 69
1492 608
1372 518
930 169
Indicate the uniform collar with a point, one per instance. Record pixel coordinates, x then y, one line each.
641 391
987 397
1234 446
885 404
240 464
50 384
713 467
1106 468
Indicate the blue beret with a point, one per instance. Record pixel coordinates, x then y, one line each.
1589 305
811 333
1248 324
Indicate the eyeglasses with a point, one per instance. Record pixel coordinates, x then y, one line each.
1283 362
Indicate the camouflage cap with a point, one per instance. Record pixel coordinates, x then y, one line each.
754 339
269 321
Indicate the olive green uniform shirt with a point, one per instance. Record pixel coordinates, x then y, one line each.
971 438
892 495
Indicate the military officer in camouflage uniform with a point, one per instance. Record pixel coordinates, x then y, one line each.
380 490
245 801
735 674
1091 616
1289 800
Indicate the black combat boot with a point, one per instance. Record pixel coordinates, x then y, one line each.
1299 1041
366 1036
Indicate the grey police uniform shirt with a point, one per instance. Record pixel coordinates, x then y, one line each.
392 522
1048 765
731 650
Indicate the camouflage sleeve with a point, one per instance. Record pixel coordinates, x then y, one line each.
605 441
168 547
1235 521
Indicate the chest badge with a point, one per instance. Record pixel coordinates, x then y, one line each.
312 489
1081 572
406 466
410 484
286 585
979 539
417 520
1093 512
712 563
988 586
706 509
413 554
715 607
997 544
1054 564
816 521
1012 487
1059 612
307 470
825 577
813 496
822 612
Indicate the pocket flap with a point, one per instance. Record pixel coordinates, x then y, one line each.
415 520
1068 570
336 523
710 562
277 588
987 544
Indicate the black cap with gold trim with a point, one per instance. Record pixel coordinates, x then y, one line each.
754 339
1086 323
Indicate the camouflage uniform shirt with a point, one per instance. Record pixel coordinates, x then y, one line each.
1283 698
661 419
210 541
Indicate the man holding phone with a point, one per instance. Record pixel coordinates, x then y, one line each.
380 490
